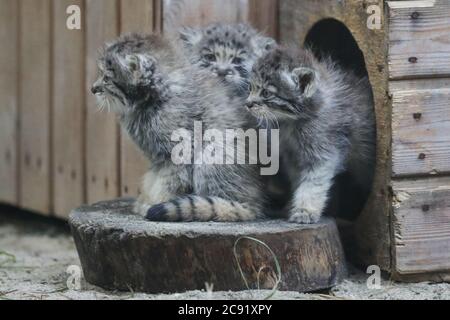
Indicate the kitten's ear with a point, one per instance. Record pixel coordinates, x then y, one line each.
305 80
190 36
262 45
140 67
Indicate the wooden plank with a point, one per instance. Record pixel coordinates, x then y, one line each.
263 15
179 13
136 16
421 132
68 112
422 225
9 12
419 38
157 16
102 132
418 84
35 93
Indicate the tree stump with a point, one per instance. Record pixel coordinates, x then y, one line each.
122 251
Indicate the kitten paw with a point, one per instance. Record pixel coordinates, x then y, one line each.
304 217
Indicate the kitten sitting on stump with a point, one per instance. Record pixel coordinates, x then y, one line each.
326 121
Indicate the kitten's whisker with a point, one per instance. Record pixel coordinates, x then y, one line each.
266 122
108 103
260 120
273 120
100 104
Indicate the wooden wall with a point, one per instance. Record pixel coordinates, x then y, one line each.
371 241
405 227
419 84
56 150
9 101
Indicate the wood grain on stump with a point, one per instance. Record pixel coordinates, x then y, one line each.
122 251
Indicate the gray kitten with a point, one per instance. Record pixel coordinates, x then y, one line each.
326 124
155 90
227 51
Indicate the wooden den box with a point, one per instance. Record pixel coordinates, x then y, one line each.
404 46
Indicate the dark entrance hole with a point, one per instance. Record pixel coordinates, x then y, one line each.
331 38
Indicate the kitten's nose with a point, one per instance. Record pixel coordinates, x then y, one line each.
96 89
224 72
249 104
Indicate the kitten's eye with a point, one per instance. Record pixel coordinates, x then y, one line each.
209 57
266 93
106 79
133 66
237 60
108 63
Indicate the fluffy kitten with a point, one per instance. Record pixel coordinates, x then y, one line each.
156 91
326 124
227 51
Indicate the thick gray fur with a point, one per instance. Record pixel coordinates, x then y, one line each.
226 42
155 90
326 122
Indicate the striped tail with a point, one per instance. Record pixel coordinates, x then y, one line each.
196 208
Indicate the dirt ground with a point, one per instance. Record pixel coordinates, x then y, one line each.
36 252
